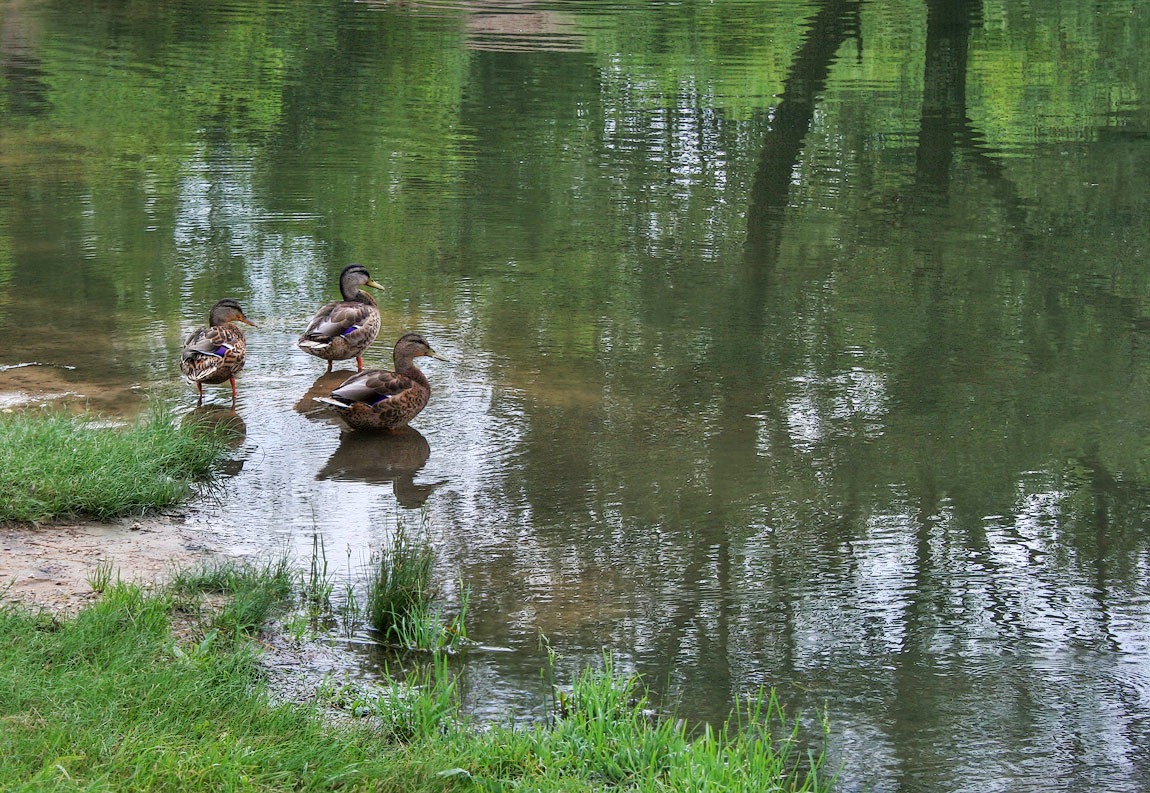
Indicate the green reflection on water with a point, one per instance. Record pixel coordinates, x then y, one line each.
793 343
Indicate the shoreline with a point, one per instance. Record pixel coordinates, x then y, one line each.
50 565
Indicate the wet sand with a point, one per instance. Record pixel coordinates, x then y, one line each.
50 566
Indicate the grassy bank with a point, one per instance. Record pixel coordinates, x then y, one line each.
58 464
160 692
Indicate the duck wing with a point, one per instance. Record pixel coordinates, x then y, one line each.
372 386
212 352
337 318
214 342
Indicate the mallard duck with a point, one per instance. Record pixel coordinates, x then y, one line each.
215 354
375 399
343 328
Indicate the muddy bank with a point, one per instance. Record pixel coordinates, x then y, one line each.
50 565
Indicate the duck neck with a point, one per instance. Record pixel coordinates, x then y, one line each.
360 296
405 365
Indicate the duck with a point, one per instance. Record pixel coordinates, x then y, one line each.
376 399
215 354
343 329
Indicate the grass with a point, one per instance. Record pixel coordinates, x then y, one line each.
401 598
317 586
58 464
422 701
605 735
251 592
127 696
110 700
101 576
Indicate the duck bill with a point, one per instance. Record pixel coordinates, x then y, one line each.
374 284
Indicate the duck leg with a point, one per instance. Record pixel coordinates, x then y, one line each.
200 390
232 380
358 363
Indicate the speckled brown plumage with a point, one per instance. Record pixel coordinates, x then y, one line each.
376 399
215 354
343 329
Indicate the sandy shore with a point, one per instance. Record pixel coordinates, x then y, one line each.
50 565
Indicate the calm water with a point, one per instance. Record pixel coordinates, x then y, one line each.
792 344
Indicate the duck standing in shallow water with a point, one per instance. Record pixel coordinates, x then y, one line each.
342 329
375 399
215 354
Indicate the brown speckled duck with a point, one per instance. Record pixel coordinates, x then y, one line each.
342 329
375 399
215 354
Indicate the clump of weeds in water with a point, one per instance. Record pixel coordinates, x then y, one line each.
402 599
321 608
317 587
350 609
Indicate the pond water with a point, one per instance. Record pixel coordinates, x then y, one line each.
791 344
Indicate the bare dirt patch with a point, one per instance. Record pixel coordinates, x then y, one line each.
50 566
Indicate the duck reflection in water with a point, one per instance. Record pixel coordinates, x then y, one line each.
216 418
378 458
323 385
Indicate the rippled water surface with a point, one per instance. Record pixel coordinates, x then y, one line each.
791 344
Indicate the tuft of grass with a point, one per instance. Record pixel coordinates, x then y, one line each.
351 610
60 464
317 587
419 702
252 591
101 576
425 701
401 598
399 583
427 628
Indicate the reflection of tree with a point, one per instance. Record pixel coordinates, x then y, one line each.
936 576
790 121
945 129
23 74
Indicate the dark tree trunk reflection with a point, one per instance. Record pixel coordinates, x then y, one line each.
790 121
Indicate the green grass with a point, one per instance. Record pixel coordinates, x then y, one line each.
252 592
605 736
58 464
111 701
136 694
402 599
